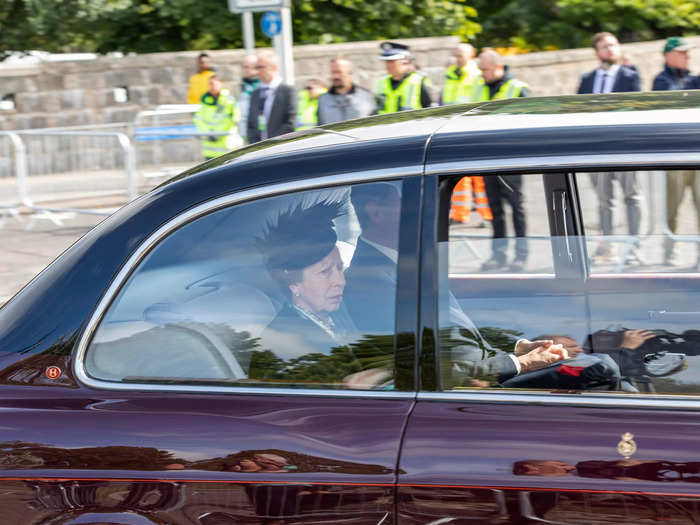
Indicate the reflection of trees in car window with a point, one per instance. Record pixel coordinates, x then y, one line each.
218 303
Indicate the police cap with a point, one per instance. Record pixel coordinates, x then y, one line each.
394 51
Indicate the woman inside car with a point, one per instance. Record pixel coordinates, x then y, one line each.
308 341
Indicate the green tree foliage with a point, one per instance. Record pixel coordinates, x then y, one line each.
144 26
542 24
328 21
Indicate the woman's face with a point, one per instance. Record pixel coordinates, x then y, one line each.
321 288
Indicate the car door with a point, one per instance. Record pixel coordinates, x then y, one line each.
478 449
160 418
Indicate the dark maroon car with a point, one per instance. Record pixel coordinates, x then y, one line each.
341 326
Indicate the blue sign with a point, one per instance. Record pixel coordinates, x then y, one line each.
271 23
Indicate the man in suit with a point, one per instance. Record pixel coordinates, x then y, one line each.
612 77
370 297
273 106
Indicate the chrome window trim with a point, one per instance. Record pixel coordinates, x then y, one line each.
564 162
583 399
189 215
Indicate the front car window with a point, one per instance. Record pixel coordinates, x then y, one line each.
619 303
294 290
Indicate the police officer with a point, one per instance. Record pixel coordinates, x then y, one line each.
496 81
307 109
401 89
218 113
460 78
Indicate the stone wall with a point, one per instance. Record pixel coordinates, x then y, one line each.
53 94
83 92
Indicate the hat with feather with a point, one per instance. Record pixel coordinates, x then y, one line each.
301 236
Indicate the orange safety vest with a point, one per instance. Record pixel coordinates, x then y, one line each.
461 204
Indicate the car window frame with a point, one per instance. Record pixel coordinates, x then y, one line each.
404 346
565 167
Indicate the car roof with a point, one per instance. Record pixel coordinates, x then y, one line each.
586 114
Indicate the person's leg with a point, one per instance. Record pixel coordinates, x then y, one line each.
633 200
675 186
632 192
602 183
604 191
693 180
514 195
494 195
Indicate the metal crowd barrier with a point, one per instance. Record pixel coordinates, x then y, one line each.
14 195
55 173
38 192
165 133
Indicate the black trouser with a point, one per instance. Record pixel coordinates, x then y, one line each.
497 192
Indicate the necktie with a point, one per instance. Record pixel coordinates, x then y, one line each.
264 92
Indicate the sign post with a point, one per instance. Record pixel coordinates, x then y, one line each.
276 24
248 32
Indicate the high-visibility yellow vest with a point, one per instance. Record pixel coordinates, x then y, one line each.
459 85
199 85
307 112
218 115
510 89
405 96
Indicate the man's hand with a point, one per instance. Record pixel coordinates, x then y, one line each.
542 356
633 339
523 346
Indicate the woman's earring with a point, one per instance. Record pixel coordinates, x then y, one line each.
296 294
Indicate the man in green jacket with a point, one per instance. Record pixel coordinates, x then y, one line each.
218 114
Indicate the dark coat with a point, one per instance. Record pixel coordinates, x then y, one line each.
626 80
370 296
291 336
674 79
282 114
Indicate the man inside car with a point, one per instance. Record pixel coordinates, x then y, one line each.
371 289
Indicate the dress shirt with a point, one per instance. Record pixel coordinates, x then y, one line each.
390 253
605 79
267 91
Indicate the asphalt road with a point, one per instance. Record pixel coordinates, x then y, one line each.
25 253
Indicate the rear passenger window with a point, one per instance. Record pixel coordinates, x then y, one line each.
294 290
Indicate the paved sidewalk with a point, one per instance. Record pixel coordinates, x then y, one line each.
25 253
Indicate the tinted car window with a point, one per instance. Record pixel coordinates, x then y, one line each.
625 321
291 290
642 241
497 283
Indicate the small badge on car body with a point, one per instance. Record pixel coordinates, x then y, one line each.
53 372
627 446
